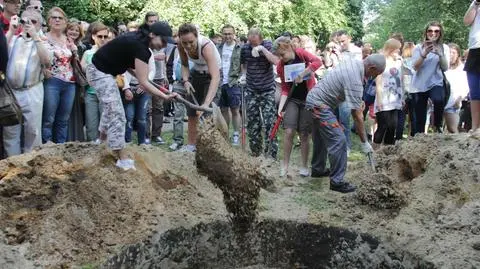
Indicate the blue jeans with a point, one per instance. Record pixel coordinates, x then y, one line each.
420 101
136 110
57 106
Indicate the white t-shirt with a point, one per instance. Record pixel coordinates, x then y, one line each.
458 84
392 92
226 59
474 35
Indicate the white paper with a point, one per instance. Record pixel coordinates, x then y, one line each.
291 71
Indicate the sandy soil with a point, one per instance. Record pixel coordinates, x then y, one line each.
67 205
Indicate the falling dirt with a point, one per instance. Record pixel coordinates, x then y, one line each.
68 206
233 171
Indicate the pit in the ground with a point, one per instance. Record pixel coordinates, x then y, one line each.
270 244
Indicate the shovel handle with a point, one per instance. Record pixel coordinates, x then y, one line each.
180 99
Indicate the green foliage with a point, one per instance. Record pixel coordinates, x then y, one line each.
310 17
411 16
108 11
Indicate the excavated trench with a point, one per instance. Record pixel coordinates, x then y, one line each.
269 244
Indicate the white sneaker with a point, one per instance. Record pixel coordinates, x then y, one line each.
188 148
159 140
304 172
283 171
175 146
126 164
147 141
97 141
236 139
475 134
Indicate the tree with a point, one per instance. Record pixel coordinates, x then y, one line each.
411 16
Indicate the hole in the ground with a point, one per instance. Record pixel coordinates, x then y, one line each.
270 244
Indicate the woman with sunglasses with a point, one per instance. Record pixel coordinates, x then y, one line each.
130 52
431 59
99 37
28 54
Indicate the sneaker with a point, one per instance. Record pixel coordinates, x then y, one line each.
126 164
325 173
175 146
236 139
283 171
158 140
97 141
304 172
188 148
343 187
147 141
475 134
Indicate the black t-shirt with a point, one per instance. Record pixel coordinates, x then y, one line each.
118 55
300 92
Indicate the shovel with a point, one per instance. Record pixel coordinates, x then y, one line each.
218 119
371 160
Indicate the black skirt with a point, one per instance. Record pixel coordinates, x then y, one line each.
473 61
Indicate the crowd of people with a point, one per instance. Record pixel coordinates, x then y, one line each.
134 72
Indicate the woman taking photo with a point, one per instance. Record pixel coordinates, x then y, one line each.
59 83
296 117
130 52
389 95
430 59
99 37
459 89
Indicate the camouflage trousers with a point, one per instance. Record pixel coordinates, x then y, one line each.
112 120
264 103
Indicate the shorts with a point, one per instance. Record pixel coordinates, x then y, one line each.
296 117
230 97
200 82
474 85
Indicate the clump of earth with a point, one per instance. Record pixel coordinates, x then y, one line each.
68 206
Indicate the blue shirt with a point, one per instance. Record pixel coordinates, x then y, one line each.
429 74
259 70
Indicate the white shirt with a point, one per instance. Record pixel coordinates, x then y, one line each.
392 93
226 59
474 35
458 84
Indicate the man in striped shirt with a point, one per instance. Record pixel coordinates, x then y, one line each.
257 67
342 84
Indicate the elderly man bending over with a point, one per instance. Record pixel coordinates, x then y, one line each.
342 84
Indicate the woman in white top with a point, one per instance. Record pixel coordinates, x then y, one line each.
459 89
389 94
472 66
202 82
407 75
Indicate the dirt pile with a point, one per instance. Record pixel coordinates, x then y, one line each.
233 171
425 198
68 204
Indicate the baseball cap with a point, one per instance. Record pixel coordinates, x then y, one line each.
163 29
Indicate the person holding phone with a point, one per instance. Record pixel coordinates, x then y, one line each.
431 59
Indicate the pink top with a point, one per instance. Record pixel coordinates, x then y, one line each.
311 61
61 56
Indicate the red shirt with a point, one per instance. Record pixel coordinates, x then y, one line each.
6 25
311 61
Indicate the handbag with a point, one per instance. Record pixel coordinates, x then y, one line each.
80 77
10 111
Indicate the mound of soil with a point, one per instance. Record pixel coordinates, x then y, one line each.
68 204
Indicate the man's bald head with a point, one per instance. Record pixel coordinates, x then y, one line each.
374 65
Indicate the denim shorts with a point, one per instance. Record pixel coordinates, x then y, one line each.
230 96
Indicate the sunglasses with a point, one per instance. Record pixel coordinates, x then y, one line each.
27 21
40 8
102 36
57 18
433 31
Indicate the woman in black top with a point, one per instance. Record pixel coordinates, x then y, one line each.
129 52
